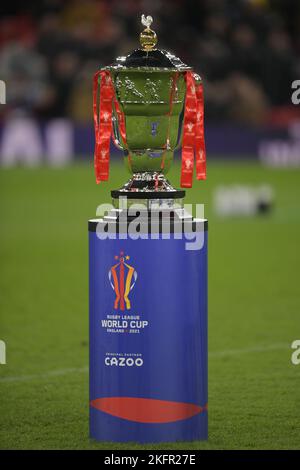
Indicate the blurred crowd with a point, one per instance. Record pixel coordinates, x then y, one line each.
247 52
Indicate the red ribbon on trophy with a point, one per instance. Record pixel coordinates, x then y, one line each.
103 122
199 137
193 143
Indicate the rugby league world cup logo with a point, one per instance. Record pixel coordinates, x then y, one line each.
122 278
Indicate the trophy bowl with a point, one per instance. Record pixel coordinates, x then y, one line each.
142 105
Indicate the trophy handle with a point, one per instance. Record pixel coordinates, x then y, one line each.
180 134
116 134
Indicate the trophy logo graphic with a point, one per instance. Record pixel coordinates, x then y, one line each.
154 128
122 278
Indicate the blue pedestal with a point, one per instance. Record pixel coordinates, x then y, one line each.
148 339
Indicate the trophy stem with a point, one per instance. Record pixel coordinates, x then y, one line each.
149 186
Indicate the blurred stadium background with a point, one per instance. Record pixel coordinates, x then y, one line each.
247 52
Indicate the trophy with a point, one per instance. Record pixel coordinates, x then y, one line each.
139 101
148 288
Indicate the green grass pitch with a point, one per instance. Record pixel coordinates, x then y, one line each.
254 310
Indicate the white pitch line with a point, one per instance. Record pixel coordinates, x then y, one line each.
236 352
44 375
80 370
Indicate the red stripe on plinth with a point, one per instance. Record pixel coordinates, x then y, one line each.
147 410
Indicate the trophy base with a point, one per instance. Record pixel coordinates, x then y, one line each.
148 185
148 354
